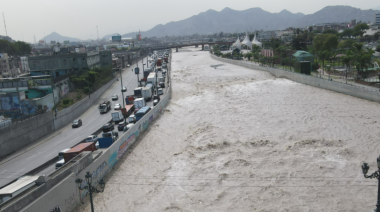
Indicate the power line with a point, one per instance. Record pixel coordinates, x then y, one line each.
6 34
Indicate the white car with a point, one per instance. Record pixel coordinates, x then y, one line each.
160 92
117 106
126 128
92 138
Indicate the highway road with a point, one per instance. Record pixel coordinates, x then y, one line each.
68 137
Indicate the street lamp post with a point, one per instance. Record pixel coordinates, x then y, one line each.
91 189
122 92
376 175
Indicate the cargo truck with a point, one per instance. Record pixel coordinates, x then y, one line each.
139 103
107 139
147 93
128 110
166 59
147 72
104 106
151 79
68 155
117 116
159 62
129 100
137 92
150 85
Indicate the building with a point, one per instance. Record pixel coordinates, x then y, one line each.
377 19
4 65
265 35
303 56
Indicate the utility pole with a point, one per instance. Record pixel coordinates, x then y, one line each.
5 26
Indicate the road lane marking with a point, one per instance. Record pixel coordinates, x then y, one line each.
15 173
31 156
3 171
48 155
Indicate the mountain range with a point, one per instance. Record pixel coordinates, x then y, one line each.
59 38
229 20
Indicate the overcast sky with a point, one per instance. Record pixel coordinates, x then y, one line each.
79 18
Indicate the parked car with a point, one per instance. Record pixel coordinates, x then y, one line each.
117 106
121 126
108 127
92 138
124 89
77 123
115 97
161 84
126 128
160 92
132 119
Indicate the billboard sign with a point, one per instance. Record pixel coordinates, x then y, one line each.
41 41
66 42
116 38
9 102
53 42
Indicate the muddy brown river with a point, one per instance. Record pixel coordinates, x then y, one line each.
235 139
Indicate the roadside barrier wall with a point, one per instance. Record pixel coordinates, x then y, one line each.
17 136
65 196
68 115
361 92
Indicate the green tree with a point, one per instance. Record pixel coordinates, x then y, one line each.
376 36
330 31
359 29
378 48
347 44
299 43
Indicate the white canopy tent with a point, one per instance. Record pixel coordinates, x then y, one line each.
237 44
247 42
256 42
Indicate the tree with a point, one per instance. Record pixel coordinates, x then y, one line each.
248 55
376 36
256 49
347 44
299 43
325 42
330 31
310 29
347 59
359 29
298 31
378 48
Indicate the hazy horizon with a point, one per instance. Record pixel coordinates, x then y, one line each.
78 19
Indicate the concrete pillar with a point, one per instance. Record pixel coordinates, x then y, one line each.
176 49
122 62
203 47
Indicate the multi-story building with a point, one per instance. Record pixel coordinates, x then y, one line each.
265 35
4 64
377 19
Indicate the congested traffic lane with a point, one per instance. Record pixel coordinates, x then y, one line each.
51 168
67 137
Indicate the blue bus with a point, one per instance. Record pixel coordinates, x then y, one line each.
142 112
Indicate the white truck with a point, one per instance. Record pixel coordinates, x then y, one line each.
146 93
117 116
151 79
139 103
160 79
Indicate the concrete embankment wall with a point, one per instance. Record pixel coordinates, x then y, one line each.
65 196
361 92
19 135
67 115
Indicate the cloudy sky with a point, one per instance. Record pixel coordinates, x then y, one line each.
79 18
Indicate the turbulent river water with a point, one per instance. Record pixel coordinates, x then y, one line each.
235 139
